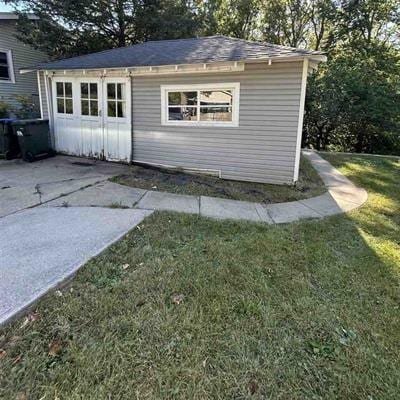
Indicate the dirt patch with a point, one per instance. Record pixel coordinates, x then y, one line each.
176 181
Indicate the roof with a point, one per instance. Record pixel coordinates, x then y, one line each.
180 51
13 16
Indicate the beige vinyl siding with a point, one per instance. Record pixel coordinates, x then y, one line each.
23 56
261 149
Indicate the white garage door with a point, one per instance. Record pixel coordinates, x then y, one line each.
92 117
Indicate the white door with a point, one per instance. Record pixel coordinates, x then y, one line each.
92 117
117 119
66 137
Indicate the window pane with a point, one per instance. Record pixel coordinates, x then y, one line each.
3 58
120 91
94 109
4 73
182 114
111 90
68 89
93 90
84 91
60 106
68 106
216 97
60 89
111 112
182 98
121 109
85 107
216 114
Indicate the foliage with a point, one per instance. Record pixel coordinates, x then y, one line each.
67 28
353 103
27 108
4 109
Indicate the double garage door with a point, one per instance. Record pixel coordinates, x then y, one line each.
92 117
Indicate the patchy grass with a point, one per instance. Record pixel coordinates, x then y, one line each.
189 308
175 181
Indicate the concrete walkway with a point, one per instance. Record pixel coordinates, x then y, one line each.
42 247
341 196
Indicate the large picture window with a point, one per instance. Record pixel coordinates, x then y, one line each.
6 66
214 104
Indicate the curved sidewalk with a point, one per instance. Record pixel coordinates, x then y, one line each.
341 196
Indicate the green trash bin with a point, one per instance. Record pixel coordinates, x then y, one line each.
33 138
9 146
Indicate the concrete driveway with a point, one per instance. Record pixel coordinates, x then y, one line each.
41 246
24 185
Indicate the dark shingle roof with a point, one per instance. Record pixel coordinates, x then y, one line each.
180 51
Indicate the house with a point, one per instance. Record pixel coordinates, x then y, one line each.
218 105
13 55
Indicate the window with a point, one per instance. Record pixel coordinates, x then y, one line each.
6 66
214 104
116 100
64 98
89 99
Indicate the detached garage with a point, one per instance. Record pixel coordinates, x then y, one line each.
219 105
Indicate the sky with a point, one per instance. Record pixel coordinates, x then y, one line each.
3 7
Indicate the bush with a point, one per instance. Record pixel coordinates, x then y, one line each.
4 110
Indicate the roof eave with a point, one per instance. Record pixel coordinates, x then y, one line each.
313 57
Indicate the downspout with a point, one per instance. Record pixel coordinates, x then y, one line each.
40 94
49 108
300 120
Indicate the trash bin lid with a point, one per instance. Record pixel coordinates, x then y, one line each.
23 122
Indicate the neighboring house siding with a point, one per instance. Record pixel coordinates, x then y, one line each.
23 56
261 149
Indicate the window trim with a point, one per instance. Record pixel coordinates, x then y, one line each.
234 86
10 65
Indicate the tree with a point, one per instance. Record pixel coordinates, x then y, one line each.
67 28
353 103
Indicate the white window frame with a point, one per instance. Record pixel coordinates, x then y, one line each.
233 86
10 65
73 97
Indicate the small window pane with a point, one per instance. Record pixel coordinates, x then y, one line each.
68 106
3 58
121 109
93 90
216 97
84 91
182 98
111 90
223 114
94 110
60 106
182 114
111 111
60 89
120 91
68 89
4 74
85 107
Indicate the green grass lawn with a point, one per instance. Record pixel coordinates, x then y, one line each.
189 308
176 181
